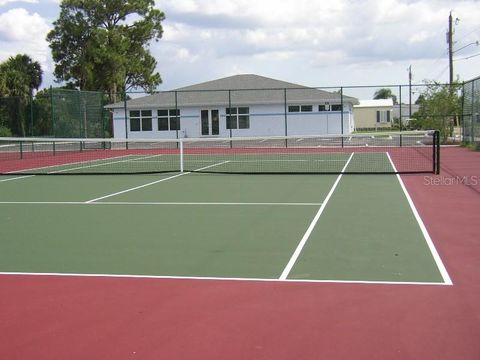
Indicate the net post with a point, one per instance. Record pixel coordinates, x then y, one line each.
181 155
53 146
436 152
21 149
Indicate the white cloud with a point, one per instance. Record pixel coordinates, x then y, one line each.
23 32
5 2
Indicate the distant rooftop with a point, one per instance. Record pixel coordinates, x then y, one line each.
375 103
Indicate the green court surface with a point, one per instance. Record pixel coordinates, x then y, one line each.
248 227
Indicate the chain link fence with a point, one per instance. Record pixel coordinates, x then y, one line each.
196 112
471 111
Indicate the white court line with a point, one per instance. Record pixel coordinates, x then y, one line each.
212 278
73 163
305 237
17 178
285 160
134 188
441 267
106 163
152 183
158 203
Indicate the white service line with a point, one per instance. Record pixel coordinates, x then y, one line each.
17 178
73 163
152 183
101 164
307 234
158 203
441 267
212 278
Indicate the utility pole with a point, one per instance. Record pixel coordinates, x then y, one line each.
450 46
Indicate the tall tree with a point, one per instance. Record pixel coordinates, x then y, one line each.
385 93
103 45
20 75
440 105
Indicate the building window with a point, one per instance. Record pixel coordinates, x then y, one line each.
141 120
383 116
238 118
328 107
300 108
168 119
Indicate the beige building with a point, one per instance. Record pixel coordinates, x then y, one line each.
373 114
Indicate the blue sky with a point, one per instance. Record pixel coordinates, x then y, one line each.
315 43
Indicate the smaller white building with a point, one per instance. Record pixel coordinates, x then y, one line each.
373 114
236 106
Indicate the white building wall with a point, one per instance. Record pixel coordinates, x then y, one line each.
265 120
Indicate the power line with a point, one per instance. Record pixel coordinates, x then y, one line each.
468 57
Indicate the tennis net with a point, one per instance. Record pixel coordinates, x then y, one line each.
377 153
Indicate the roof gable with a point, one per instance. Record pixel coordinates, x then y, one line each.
247 89
242 82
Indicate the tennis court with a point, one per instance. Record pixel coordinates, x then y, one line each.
304 227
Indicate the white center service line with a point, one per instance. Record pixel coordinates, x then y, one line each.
152 183
309 231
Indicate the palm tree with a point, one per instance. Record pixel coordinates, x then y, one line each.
385 93
20 76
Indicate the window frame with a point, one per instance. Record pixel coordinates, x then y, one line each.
238 116
141 119
383 117
300 108
170 118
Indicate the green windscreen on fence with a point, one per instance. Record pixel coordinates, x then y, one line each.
56 113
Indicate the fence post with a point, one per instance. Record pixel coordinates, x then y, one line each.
228 118
341 108
285 112
126 116
31 115
472 121
436 149
53 111
177 117
400 111
463 110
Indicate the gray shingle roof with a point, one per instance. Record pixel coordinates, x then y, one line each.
245 90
